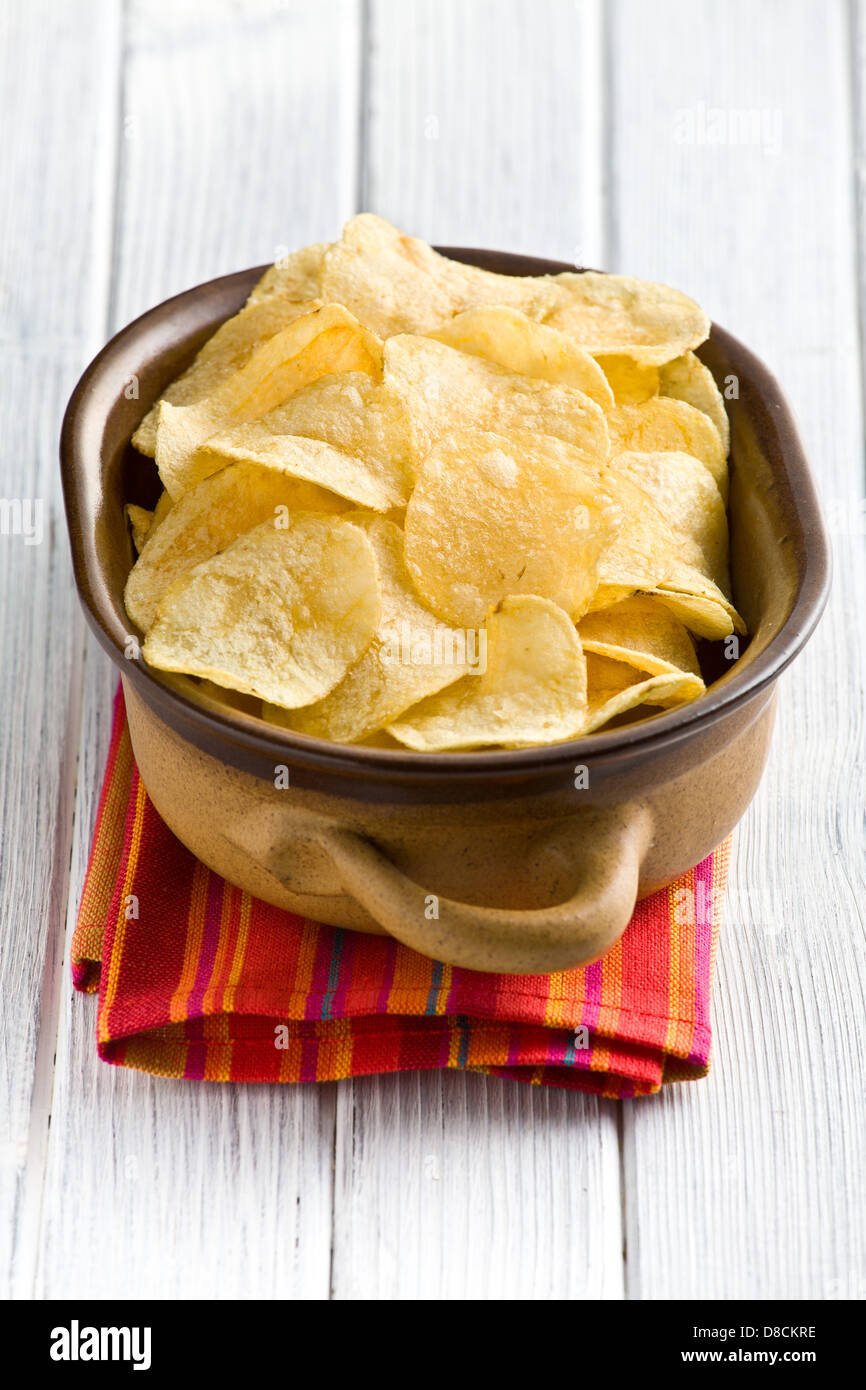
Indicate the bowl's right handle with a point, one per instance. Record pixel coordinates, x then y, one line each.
534 941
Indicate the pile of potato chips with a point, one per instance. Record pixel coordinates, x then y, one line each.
409 502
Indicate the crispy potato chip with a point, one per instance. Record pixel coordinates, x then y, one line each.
683 490
645 550
630 381
640 632
510 339
704 617
442 389
161 510
613 313
494 516
225 353
281 614
246 704
297 276
346 432
688 579
663 423
207 519
612 690
395 283
140 521
316 344
412 655
687 379
533 690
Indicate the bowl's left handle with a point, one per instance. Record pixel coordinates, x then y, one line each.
533 941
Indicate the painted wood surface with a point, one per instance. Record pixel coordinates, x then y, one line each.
719 148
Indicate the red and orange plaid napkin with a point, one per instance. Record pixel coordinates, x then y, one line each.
197 979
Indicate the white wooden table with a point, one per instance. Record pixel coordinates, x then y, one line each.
148 146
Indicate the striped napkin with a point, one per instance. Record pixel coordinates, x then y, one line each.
197 979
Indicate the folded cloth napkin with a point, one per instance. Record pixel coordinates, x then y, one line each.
197 979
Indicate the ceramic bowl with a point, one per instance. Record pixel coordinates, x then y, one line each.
523 862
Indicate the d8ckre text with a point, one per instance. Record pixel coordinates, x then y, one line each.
723 1333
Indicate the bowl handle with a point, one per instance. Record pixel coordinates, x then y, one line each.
533 941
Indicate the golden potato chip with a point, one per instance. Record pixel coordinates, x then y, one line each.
687 379
206 520
395 283
640 632
645 550
140 521
688 579
511 340
316 344
663 423
398 284
493 516
684 492
296 276
412 655
281 613
161 510
532 691
704 617
225 353
616 314
630 381
612 690
346 432
442 389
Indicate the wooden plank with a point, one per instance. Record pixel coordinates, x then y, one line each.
484 124
749 1185
53 284
155 1188
453 1186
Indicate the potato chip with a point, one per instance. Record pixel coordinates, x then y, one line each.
296 276
663 423
281 614
412 655
225 353
532 691
643 633
140 521
493 516
395 283
511 340
346 432
245 704
630 381
614 313
612 690
687 379
316 344
206 520
645 550
704 617
161 510
685 578
442 389
684 492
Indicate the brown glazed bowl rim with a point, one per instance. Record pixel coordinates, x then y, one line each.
84 494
